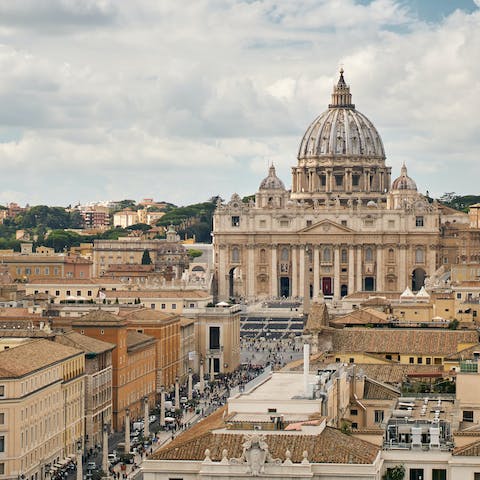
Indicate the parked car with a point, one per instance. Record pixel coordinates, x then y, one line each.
152 418
112 458
91 466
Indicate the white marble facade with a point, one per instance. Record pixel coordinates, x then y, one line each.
343 227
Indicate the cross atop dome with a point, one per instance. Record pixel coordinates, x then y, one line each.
341 96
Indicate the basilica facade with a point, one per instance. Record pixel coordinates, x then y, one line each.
343 227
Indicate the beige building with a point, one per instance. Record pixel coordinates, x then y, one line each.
98 383
168 256
217 337
41 407
168 301
343 226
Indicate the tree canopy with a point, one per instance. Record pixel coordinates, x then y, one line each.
459 202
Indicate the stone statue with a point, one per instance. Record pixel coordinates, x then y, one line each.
255 455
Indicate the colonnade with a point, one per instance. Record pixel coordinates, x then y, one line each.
308 270
313 179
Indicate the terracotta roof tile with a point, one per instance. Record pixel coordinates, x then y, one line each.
330 446
84 342
178 294
411 341
137 340
361 317
469 450
374 390
32 356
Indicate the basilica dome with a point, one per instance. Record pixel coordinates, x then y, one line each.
341 130
404 182
272 182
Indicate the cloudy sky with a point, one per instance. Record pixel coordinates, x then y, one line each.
179 101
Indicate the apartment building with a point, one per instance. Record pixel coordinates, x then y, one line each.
38 266
165 330
133 361
41 407
98 383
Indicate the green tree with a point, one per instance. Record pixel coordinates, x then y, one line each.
146 260
395 473
62 240
453 325
144 227
194 253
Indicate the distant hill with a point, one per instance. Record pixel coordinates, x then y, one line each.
459 202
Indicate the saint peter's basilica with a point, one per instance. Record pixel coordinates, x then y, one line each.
343 227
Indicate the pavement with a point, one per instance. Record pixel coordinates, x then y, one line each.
162 438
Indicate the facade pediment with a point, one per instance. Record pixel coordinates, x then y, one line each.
327 226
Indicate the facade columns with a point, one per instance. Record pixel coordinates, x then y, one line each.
294 272
301 282
380 287
431 259
351 269
402 277
250 271
274 274
348 180
316 271
336 272
359 269
223 282
328 178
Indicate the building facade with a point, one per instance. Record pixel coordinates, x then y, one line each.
343 226
133 362
41 407
98 383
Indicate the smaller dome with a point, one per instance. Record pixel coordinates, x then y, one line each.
404 182
272 182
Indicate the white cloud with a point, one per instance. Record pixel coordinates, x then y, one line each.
132 99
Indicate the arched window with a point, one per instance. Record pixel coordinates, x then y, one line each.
235 255
285 254
344 256
419 255
327 254
391 255
263 257
368 254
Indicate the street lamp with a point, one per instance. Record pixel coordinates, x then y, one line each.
105 450
127 430
162 406
79 459
190 381
202 380
177 394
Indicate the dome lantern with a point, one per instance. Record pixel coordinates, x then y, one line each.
341 96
